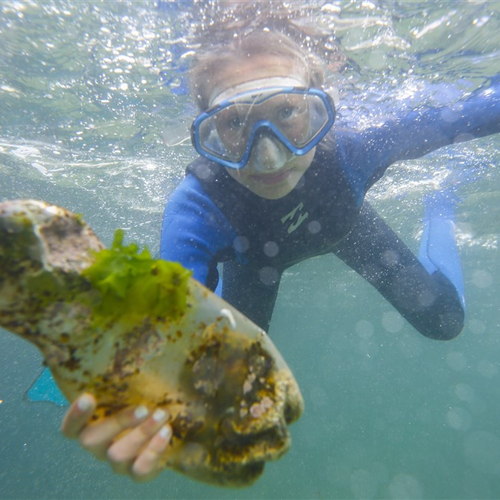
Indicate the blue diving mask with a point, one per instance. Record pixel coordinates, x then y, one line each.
298 117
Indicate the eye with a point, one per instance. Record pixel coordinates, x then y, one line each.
229 122
234 123
286 112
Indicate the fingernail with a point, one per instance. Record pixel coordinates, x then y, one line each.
141 412
159 415
84 403
165 432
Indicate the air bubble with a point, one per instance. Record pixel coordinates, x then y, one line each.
405 486
459 419
269 276
314 227
271 249
241 244
392 321
482 451
482 279
465 392
476 326
456 361
487 368
364 329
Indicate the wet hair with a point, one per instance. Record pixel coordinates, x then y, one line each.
213 61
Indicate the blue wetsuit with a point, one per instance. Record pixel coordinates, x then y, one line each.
211 218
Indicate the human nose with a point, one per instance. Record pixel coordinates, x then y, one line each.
268 155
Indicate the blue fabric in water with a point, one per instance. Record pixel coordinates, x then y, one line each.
45 389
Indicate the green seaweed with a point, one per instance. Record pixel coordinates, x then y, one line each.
133 286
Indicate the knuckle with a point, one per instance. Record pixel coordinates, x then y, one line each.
88 441
114 455
119 456
145 431
125 419
145 466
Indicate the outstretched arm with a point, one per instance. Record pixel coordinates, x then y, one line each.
369 153
134 439
195 232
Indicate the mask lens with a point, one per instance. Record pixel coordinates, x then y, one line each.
212 142
226 132
301 118
295 116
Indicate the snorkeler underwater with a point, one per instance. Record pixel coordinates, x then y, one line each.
323 172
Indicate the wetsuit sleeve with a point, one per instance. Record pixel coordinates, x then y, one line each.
243 288
429 302
195 232
368 154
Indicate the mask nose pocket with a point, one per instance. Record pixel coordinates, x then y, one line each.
269 154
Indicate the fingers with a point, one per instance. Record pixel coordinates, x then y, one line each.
98 437
78 416
126 450
146 467
136 452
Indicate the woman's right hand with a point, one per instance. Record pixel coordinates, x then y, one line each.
132 440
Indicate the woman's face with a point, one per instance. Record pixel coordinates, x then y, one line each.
272 170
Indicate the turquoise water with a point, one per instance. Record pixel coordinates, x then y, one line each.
85 123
